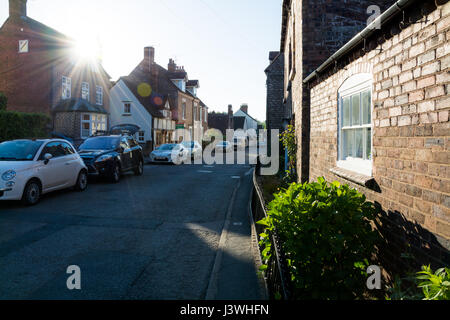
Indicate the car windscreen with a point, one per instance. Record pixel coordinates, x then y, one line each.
19 150
166 147
188 144
100 143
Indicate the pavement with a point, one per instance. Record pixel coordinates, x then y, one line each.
177 232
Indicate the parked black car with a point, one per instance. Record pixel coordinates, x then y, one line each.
112 155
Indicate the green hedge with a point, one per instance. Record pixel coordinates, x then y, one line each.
19 125
326 235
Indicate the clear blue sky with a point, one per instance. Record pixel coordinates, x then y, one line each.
223 43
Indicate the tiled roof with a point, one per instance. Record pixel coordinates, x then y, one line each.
148 102
78 105
239 122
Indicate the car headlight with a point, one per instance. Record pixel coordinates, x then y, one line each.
105 157
8 175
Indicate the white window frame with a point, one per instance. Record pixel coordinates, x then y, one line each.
125 103
99 95
66 88
356 84
183 111
140 135
85 91
97 121
23 46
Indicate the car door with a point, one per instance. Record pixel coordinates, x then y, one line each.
126 156
54 173
134 152
72 163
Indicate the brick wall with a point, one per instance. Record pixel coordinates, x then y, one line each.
315 29
411 137
275 88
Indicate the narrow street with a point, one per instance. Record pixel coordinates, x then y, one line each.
150 237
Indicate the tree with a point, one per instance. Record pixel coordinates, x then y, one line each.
3 101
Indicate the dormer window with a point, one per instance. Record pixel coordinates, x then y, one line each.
181 84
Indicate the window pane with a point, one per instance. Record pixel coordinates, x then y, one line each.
366 103
368 143
348 144
86 117
359 143
355 110
346 112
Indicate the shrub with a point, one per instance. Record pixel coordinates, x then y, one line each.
19 125
289 140
3 101
326 236
427 285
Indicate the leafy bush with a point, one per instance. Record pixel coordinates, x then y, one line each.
289 140
3 101
18 125
427 285
326 236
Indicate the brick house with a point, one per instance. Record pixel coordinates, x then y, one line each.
276 115
312 30
40 72
167 98
221 121
376 116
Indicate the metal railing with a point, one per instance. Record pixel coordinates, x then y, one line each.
276 275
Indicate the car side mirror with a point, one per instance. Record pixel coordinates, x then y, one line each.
47 158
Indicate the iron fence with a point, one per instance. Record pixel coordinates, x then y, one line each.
276 275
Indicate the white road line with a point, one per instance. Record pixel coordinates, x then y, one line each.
204 171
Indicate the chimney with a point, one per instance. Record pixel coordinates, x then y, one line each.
172 66
149 57
230 117
273 55
17 8
244 107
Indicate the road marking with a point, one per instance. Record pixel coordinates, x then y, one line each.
208 166
237 224
235 177
204 171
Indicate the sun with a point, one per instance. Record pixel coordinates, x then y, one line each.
87 49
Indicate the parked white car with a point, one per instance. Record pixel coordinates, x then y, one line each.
31 168
169 153
193 148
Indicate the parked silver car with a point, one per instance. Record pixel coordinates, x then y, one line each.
169 153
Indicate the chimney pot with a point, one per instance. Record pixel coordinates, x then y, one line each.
17 8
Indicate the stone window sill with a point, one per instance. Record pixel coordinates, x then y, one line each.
360 179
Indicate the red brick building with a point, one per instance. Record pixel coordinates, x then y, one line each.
40 72
374 114
187 109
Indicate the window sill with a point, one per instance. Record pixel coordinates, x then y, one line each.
354 177
126 115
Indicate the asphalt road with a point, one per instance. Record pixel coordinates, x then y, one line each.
150 237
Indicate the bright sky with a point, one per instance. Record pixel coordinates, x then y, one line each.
223 43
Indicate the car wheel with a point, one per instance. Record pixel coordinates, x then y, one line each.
115 174
139 170
31 193
82 181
